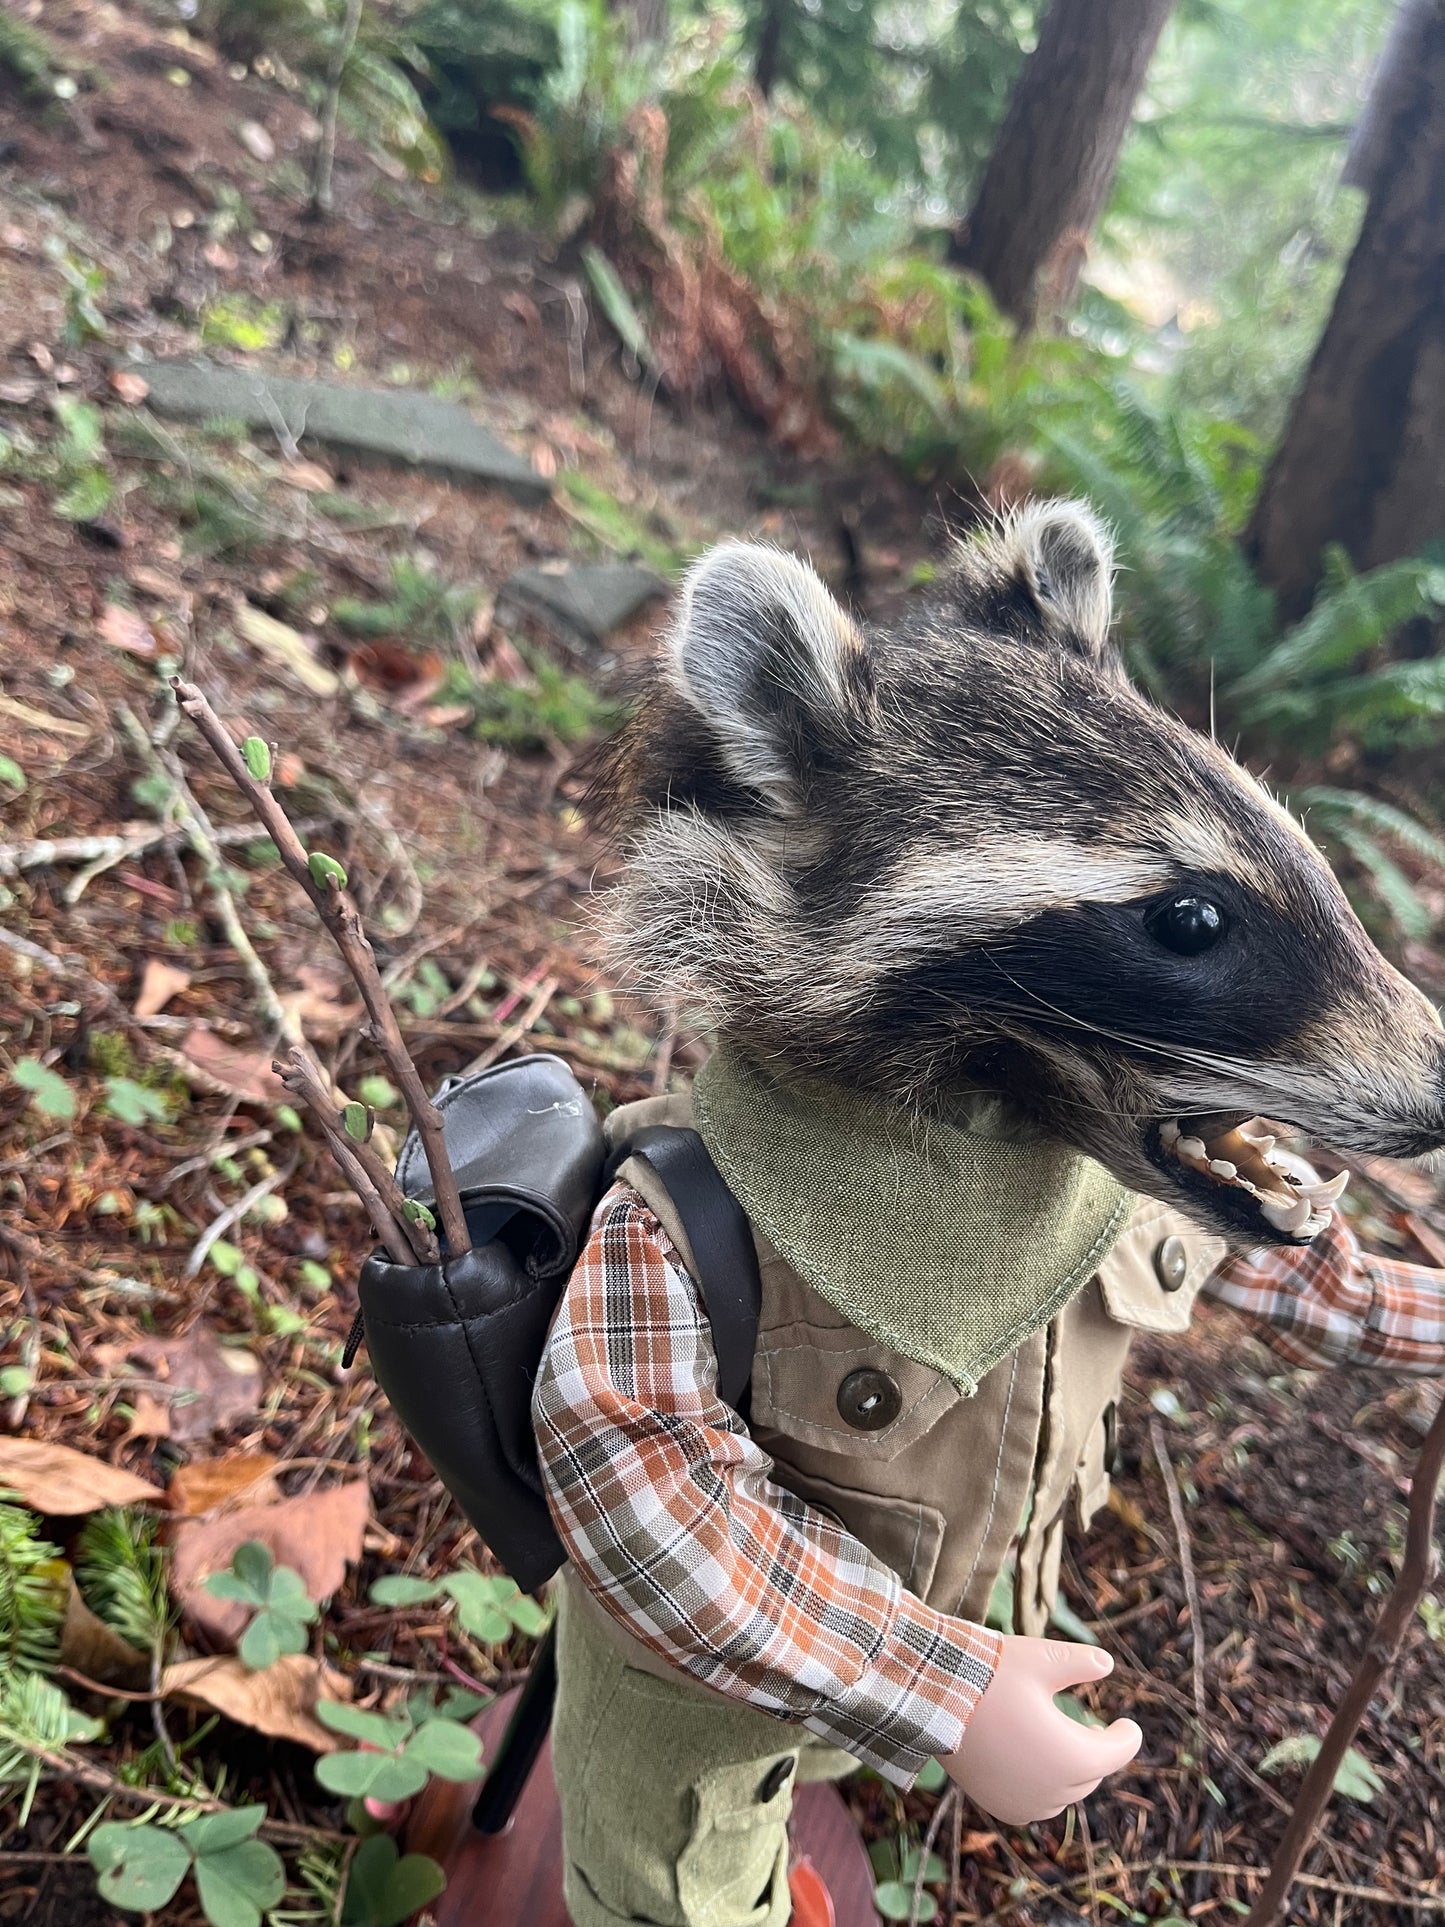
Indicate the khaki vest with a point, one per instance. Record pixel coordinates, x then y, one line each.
939 1491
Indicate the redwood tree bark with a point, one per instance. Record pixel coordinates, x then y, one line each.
1362 459
1053 163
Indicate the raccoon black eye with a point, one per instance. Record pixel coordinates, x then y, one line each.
1187 925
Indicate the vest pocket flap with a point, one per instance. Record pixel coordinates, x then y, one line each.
820 1385
905 1534
1152 1276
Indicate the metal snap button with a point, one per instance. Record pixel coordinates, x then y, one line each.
774 1780
1171 1263
868 1400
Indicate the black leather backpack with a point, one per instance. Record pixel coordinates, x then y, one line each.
456 1345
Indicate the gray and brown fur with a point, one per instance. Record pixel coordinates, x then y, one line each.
921 861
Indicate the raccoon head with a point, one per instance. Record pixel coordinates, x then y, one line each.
969 854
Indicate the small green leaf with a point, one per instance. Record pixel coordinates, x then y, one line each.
1354 1777
376 1776
1076 1710
269 1637
402 1589
211 1832
315 1277
932 1778
49 1092
323 868
358 1724
11 774
288 1117
139 1867
240 1883
133 1103
225 1585
88 496
15 1381
253 1564
225 1257
383 1889
447 1748
257 756
420 1213
1062 1615
894 1901
379 1092
357 1121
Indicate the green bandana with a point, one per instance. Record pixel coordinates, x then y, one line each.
950 1243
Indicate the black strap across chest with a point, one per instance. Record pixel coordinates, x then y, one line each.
722 1245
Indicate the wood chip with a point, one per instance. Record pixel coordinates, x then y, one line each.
123 629
285 645
129 386
159 982
57 1479
31 718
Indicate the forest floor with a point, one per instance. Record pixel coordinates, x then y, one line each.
177 1268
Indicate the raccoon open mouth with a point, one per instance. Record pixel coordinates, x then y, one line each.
1240 1157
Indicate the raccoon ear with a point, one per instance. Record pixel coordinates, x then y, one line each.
1063 555
770 659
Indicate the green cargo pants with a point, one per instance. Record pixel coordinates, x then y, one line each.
675 1801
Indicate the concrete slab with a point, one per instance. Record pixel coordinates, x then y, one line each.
370 424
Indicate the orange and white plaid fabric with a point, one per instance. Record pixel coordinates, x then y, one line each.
1333 1304
668 1511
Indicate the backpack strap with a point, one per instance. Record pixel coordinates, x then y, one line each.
722 1245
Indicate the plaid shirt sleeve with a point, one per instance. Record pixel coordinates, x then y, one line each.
1331 1303
669 1513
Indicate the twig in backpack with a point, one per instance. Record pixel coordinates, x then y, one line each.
324 883
1417 1569
303 1077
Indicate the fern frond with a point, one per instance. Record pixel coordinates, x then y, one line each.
34 1583
35 1717
1349 619
121 1573
1374 815
1386 879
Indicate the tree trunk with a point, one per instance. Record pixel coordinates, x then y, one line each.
1053 163
1360 463
769 47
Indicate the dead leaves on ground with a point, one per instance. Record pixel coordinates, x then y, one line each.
246 1074
159 982
60 1482
208 1484
318 1534
278 1702
205 1385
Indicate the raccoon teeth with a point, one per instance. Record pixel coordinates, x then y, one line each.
1286 1214
1222 1168
1169 1134
1322 1196
1192 1147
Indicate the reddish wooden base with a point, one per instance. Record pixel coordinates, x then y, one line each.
514 1879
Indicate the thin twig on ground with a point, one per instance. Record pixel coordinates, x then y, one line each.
233 1214
202 839
1186 1568
947 1802
1417 1569
339 913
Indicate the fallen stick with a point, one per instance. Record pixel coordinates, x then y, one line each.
324 883
1417 1569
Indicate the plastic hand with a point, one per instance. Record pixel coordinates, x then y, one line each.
1024 1759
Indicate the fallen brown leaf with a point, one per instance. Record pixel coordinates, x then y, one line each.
209 1384
446 715
394 673
97 1650
317 1533
159 982
310 476
246 1074
277 1702
317 1007
124 629
131 388
150 1417
57 1479
17 393
206 1484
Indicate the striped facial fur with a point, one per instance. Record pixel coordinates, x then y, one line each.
968 854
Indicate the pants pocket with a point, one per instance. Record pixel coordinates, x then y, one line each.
733 1872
